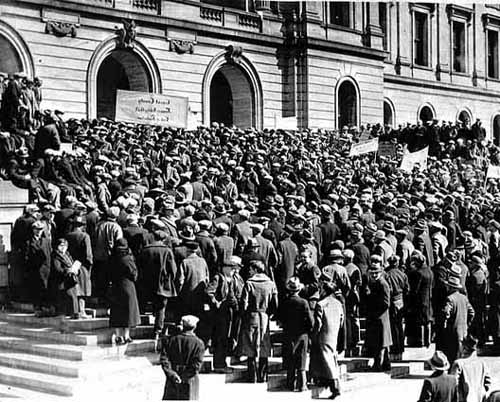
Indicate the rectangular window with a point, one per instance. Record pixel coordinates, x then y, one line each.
459 47
421 39
340 13
492 54
382 15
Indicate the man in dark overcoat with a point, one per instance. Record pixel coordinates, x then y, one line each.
419 313
181 359
398 283
378 326
456 315
157 277
297 321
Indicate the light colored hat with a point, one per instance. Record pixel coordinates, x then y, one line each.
294 284
189 322
439 361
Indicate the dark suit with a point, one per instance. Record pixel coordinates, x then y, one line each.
419 309
439 387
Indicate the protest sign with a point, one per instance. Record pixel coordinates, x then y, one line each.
493 172
66 147
410 160
386 148
364 147
150 108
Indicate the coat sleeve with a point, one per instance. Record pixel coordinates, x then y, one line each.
426 394
318 319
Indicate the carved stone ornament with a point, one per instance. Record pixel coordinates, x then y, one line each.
60 29
233 53
181 46
126 34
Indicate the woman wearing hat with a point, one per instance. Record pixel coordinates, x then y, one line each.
296 320
378 327
124 305
328 318
440 386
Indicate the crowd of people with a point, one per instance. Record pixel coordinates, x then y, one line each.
227 229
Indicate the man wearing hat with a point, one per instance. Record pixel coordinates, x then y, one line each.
107 232
224 294
382 247
471 374
38 264
422 241
206 245
181 358
296 320
378 327
158 278
242 231
405 247
453 323
440 386
224 244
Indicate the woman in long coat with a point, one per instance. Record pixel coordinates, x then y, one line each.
63 280
378 325
328 318
124 305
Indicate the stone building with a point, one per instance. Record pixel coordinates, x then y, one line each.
263 63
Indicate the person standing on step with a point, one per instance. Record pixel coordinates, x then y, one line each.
440 386
80 249
471 374
259 300
124 305
224 292
378 326
181 358
328 319
296 320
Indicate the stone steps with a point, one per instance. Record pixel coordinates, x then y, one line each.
75 352
51 334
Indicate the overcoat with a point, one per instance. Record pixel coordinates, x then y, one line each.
80 249
378 326
419 308
157 270
328 317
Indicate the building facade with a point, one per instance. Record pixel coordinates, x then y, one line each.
263 63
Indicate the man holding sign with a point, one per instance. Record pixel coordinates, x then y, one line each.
364 147
411 160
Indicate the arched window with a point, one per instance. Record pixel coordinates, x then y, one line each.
347 104
426 113
496 130
388 113
10 62
465 117
120 70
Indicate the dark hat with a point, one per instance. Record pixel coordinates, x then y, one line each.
192 245
187 234
294 285
421 225
389 226
252 242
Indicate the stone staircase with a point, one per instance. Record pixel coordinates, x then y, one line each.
51 359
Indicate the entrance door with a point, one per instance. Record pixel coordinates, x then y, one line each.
120 70
347 105
10 62
232 99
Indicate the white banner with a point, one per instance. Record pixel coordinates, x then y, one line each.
410 160
150 108
493 172
364 147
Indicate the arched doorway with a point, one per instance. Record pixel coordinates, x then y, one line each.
10 62
496 130
15 55
122 69
426 114
232 98
347 104
111 69
388 113
465 117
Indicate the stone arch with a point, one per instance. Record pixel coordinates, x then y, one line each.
244 70
464 113
106 49
389 112
347 112
426 111
15 42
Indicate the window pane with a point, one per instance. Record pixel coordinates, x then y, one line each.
493 54
459 47
339 14
420 38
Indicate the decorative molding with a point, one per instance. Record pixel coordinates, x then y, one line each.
126 35
233 54
459 12
491 21
182 46
60 29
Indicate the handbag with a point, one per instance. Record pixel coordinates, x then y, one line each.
70 281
